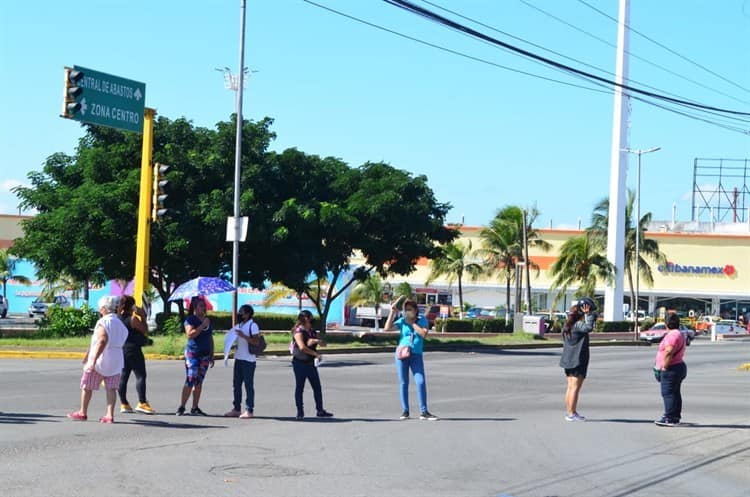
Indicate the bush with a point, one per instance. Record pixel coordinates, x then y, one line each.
223 321
172 328
67 322
473 326
620 326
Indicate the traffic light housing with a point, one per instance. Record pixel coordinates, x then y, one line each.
158 208
71 93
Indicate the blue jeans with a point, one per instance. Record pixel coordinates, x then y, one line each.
416 364
244 372
302 372
671 380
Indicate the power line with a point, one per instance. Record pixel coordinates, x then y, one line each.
606 88
631 54
415 9
451 51
666 48
559 54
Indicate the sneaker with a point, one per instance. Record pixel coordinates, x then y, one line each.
246 415
665 421
404 415
574 417
77 416
428 416
232 414
144 408
324 414
196 411
180 411
126 409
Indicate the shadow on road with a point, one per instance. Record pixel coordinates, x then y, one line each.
166 424
26 418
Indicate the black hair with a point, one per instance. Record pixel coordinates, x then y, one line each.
673 322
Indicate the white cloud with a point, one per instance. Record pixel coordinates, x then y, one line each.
8 184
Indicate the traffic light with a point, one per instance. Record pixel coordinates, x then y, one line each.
71 93
158 209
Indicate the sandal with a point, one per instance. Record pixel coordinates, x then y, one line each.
77 416
107 420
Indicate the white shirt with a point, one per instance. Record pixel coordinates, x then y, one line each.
111 360
243 350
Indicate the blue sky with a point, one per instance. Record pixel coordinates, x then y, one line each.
484 136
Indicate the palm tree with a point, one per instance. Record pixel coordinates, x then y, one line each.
454 261
649 248
403 289
8 271
277 291
368 292
503 245
581 263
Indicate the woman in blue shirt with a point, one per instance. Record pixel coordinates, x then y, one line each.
199 355
413 329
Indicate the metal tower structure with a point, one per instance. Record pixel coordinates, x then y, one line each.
720 190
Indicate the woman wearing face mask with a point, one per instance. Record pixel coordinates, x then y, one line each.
413 329
304 355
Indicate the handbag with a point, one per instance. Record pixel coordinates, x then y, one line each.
257 349
657 374
404 351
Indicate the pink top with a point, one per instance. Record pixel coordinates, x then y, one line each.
674 339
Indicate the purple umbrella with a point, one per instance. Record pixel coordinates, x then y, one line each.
202 285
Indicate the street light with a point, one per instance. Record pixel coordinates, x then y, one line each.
638 152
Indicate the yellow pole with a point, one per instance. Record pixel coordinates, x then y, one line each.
144 208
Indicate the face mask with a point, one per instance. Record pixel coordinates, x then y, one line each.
410 314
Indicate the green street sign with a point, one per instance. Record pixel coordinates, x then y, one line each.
105 100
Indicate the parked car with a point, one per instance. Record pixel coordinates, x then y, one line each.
474 312
704 323
656 333
40 306
3 307
431 313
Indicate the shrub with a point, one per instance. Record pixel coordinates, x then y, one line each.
67 322
621 326
172 328
451 325
223 321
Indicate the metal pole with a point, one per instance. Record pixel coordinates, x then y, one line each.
613 292
527 268
637 243
237 165
143 236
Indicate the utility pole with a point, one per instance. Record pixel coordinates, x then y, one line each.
143 237
613 292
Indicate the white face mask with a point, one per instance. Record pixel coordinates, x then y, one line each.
410 314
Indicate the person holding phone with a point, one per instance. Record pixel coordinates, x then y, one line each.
575 354
304 364
199 355
413 329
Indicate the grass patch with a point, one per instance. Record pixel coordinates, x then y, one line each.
174 344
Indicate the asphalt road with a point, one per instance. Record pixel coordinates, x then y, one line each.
502 431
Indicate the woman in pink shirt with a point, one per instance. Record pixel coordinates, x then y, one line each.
672 370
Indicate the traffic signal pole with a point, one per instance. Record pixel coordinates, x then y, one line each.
144 208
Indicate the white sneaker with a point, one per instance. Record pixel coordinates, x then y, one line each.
574 417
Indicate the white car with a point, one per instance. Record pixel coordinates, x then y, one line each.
3 307
39 307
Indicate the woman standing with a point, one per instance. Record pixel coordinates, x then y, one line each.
413 329
104 360
134 319
672 370
199 355
575 355
304 358
244 363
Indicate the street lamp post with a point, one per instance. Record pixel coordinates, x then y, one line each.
638 152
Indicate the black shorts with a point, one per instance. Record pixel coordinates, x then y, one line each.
579 370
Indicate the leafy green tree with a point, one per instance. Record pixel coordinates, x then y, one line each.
503 245
403 289
454 261
581 263
311 215
8 265
649 248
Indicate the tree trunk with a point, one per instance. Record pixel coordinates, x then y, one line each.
460 299
507 299
86 291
